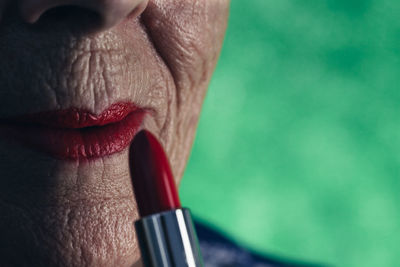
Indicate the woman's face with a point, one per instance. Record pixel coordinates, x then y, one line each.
66 200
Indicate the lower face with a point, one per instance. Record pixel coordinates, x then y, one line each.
60 209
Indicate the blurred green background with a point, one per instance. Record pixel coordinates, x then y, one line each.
298 148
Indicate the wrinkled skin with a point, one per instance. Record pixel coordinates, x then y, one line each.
160 56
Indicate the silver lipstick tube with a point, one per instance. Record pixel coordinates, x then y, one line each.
168 239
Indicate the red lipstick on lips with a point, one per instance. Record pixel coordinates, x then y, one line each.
165 231
74 134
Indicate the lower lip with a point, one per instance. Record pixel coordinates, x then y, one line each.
75 144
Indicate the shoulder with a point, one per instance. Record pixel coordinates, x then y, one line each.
220 251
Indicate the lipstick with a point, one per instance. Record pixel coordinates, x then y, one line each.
165 231
76 134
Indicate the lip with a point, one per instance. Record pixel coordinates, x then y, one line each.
75 134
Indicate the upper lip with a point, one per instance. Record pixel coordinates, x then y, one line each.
74 118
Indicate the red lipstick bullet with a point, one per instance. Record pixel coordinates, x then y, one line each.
165 231
154 185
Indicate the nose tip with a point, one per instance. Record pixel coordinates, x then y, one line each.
110 12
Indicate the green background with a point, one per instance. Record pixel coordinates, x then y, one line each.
298 148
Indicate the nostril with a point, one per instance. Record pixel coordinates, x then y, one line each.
87 15
65 12
75 17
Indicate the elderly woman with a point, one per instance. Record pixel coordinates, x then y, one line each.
78 80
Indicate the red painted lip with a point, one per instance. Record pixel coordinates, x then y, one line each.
74 134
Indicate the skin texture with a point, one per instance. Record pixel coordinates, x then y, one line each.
160 55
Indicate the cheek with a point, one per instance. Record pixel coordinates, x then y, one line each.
188 36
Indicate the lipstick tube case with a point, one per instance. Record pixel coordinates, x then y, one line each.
168 239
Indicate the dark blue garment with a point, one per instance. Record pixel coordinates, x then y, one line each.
220 251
